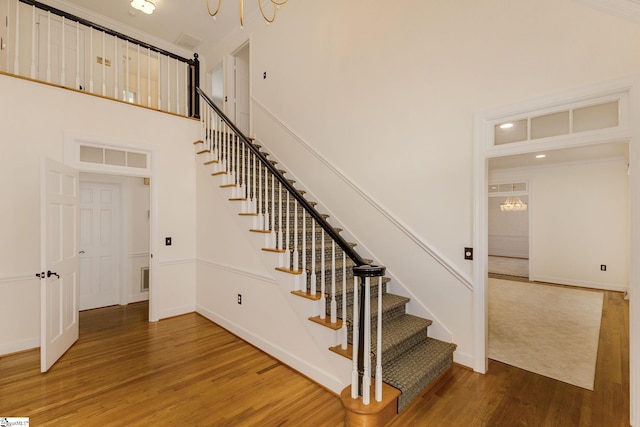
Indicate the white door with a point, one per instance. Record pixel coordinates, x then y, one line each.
242 89
58 261
99 234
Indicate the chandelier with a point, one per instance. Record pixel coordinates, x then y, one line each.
274 3
513 204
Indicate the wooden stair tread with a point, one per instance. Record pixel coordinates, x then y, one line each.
237 199
280 251
227 185
247 214
202 151
218 173
307 295
255 230
289 270
210 162
198 142
327 322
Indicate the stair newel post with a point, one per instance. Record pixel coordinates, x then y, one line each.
272 226
379 344
345 334
334 308
246 179
365 273
259 225
252 205
16 56
265 199
355 352
323 285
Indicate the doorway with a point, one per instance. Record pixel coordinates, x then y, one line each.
114 240
624 130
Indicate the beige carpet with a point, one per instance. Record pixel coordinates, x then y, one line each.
549 330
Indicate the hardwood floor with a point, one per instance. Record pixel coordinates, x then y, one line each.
189 371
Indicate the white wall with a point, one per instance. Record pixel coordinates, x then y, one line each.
387 95
231 262
508 231
579 217
35 119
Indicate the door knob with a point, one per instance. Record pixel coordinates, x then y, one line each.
52 273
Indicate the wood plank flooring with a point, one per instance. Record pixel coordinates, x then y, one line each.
188 371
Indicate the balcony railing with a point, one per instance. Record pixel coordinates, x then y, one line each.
49 45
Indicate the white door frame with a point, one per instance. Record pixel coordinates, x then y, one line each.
71 158
483 151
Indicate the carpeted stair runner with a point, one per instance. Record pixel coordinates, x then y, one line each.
411 360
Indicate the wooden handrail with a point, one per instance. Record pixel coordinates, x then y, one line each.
344 245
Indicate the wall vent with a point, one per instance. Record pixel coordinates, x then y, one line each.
144 279
188 41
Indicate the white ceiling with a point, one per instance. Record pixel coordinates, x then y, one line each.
563 156
170 19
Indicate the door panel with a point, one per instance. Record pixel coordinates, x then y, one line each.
4 35
58 261
99 231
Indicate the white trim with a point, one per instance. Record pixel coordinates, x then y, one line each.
138 255
238 271
482 152
326 379
418 240
19 278
580 283
628 9
177 261
20 345
176 311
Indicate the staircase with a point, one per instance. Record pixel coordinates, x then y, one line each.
323 265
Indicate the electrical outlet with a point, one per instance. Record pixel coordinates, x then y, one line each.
603 267
167 241
468 253
240 299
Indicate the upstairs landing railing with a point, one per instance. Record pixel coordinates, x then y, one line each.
56 47
308 245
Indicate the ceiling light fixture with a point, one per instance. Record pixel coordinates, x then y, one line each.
274 3
513 203
506 126
541 156
145 6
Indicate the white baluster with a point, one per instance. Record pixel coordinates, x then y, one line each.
287 249
279 236
304 248
16 56
116 62
296 254
63 53
314 287
379 345
323 285
345 334
168 84
177 87
366 379
90 60
77 55
159 82
104 65
334 307
139 83
125 95
33 42
48 47
148 77
355 320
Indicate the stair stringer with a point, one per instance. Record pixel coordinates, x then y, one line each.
328 369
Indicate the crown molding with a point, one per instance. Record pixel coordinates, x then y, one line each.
628 9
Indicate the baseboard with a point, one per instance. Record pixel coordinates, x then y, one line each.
581 284
19 345
176 311
323 378
464 359
144 296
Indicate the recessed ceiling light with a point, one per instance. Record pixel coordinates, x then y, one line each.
541 156
506 125
145 6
